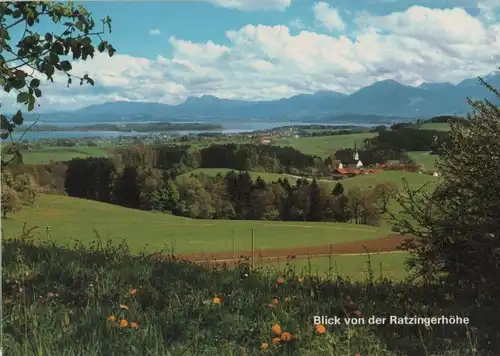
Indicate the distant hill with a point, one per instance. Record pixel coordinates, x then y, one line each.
386 98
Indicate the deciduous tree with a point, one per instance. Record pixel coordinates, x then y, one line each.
457 227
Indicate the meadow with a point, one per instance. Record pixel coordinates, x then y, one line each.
414 180
100 300
324 146
267 176
425 159
61 154
439 126
357 267
69 220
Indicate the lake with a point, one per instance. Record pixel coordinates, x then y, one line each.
228 128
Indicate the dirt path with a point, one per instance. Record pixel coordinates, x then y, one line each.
386 244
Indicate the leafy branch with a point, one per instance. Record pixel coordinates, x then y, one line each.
34 55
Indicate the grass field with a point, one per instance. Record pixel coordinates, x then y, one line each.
72 219
268 177
386 265
424 158
114 303
414 180
435 126
57 154
325 145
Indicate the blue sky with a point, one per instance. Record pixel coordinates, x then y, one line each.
204 21
269 49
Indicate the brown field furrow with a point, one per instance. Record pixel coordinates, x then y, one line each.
386 244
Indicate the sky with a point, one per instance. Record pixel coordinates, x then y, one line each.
270 49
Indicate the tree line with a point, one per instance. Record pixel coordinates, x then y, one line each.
234 195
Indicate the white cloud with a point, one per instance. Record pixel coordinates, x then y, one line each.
297 24
328 17
268 62
487 9
154 32
252 5
439 25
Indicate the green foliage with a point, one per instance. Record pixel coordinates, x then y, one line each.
25 60
16 191
10 201
457 226
338 189
165 198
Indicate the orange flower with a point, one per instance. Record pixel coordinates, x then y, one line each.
320 329
133 325
264 346
276 340
276 329
123 306
280 280
133 291
123 323
276 301
111 318
286 336
216 300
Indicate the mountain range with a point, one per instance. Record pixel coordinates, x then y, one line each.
386 98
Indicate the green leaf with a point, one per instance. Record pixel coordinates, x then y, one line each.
23 97
49 70
5 124
31 104
111 50
48 37
35 83
38 92
90 81
101 47
79 25
58 48
66 66
18 118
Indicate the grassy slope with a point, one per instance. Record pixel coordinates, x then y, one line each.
325 145
424 158
387 265
45 155
176 315
435 126
268 177
365 181
71 219
414 180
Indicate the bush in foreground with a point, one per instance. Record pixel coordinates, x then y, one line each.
101 300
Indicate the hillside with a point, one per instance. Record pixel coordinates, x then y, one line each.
72 219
